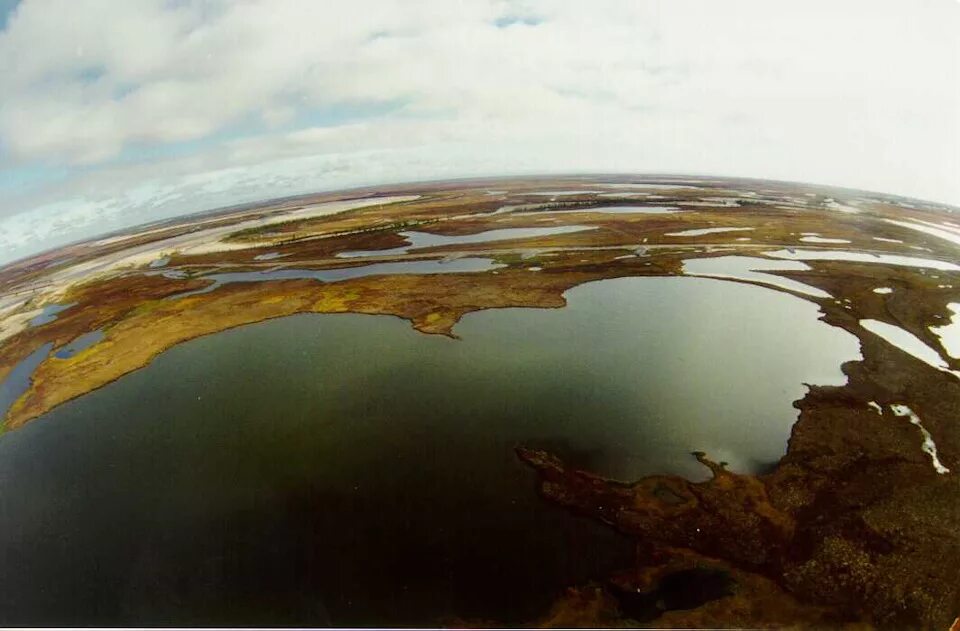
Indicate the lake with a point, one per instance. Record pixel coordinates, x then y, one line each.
346 469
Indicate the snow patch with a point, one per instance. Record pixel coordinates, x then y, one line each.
929 447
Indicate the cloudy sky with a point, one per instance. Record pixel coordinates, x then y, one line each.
117 112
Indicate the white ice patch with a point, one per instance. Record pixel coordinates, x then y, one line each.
929 447
876 407
860 257
885 240
14 323
882 290
701 231
647 185
752 269
832 204
908 343
269 256
612 210
815 239
534 269
719 203
560 193
947 234
624 195
949 334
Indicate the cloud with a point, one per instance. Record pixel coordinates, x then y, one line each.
156 107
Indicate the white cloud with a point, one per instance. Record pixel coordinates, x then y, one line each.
861 93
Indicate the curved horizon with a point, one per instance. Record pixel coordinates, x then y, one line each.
388 186
115 115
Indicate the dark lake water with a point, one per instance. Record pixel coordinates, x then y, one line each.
346 469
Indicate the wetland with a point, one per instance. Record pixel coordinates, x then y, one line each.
529 401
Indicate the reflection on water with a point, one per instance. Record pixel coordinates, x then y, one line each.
418 240
332 275
346 469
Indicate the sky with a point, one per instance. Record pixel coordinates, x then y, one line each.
114 114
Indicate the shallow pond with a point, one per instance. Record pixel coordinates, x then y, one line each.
346 469
81 343
18 380
419 240
50 313
430 266
609 210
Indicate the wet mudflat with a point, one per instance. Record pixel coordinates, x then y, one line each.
346 469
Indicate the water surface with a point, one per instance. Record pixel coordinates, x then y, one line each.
81 343
346 469
50 313
610 210
18 380
441 266
418 240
